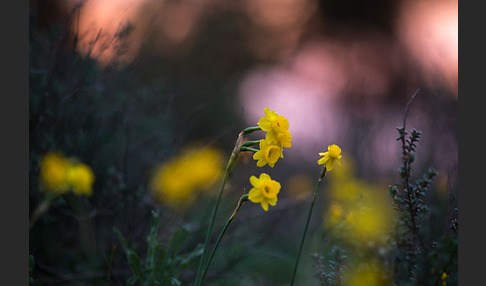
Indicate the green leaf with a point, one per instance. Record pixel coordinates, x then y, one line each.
134 262
152 240
186 259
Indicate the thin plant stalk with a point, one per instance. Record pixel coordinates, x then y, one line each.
229 166
213 218
243 148
41 208
323 173
243 199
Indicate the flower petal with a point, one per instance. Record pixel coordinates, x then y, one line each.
330 164
258 155
272 201
255 182
274 188
271 137
264 177
283 122
285 139
264 205
324 159
255 195
261 163
265 124
269 114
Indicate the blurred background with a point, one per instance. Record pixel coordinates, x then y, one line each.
131 86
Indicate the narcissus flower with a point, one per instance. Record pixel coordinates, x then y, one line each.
277 128
264 190
332 156
268 153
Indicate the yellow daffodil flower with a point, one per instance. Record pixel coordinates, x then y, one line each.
264 190
333 155
268 153
277 128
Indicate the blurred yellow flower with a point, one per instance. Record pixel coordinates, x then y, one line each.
59 175
345 170
264 190
369 221
443 278
268 153
332 156
81 179
207 167
347 190
363 220
170 184
277 128
366 274
178 181
359 212
298 186
53 173
335 214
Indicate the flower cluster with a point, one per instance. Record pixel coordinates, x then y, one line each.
196 169
277 137
59 175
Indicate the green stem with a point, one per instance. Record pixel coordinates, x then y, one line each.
211 224
243 199
41 208
251 129
229 166
323 173
251 143
243 148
